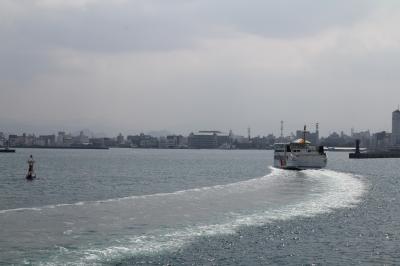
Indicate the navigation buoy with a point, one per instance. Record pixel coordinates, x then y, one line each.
31 173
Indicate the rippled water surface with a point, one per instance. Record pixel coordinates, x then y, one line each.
202 207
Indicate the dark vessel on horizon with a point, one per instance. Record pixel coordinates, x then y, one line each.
7 149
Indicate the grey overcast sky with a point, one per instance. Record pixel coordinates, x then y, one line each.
181 65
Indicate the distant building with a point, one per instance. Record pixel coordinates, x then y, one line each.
172 141
204 140
336 140
120 139
175 141
396 128
363 136
147 141
223 139
241 142
143 141
46 140
26 140
98 142
162 142
262 143
60 138
83 139
68 140
271 139
110 142
12 140
380 141
2 139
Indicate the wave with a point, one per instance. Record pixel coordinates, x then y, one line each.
335 190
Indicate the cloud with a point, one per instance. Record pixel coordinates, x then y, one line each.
120 26
183 65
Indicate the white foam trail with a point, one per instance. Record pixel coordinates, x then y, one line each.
341 190
251 183
21 209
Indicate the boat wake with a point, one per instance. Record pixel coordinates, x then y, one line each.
106 231
341 191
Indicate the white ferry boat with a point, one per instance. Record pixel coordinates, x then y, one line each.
299 155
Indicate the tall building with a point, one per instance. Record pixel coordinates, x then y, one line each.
396 127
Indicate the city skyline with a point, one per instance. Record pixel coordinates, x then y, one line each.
214 139
135 66
163 132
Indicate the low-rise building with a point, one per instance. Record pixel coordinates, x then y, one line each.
381 141
203 140
143 141
175 141
98 142
82 139
120 139
46 140
60 138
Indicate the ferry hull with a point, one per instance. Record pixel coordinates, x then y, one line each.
314 162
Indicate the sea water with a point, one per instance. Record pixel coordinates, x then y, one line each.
201 207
